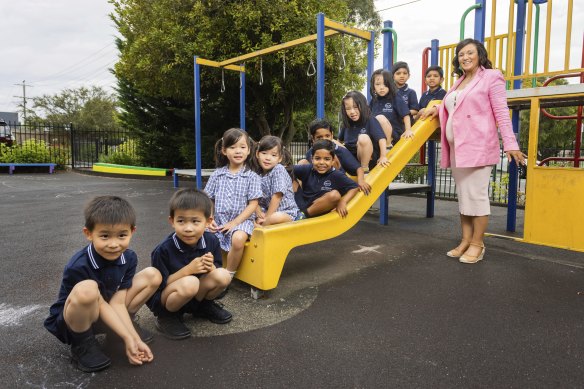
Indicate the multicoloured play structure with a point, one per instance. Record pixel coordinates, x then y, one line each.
554 209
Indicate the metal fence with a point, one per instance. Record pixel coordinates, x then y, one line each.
81 148
66 145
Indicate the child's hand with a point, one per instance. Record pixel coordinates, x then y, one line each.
138 352
342 209
207 260
225 228
428 113
364 187
383 161
408 134
197 265
213 227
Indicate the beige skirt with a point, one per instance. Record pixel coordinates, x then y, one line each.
472 187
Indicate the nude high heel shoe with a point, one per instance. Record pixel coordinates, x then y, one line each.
457 253
471 258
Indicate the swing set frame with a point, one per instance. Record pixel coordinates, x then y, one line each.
324 28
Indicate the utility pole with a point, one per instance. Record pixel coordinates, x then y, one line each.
23 97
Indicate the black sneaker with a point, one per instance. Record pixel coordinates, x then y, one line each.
214 311
172 327
145 335
88 357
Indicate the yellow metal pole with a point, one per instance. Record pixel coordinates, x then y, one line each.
528 42
340 27
501 45
492 39
548 33
509 67
529 223
282 46
208 62
568 35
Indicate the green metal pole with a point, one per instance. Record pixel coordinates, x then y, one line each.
394 34
463 18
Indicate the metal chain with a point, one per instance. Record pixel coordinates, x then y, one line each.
222 80
311 71
261 71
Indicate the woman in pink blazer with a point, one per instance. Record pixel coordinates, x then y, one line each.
469 116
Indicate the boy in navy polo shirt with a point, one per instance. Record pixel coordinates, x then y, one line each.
344 160
323 188
434 77
190 262
101 287
401 75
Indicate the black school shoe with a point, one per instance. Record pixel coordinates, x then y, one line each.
214 312
172 326
88 357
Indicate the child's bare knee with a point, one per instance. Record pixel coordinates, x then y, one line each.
152 276
238 239
85 292
189 287
364 140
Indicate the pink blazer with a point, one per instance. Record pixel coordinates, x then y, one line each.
480 107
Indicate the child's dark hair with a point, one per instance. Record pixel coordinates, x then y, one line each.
400 65
434 68
268 142
229 138
361 103
188 198
108 210
387 81
324 144
318 124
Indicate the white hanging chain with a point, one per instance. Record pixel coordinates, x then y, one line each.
311 71
261 71
222 80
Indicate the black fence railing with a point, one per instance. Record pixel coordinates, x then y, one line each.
81 148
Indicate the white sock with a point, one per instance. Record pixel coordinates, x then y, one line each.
231 273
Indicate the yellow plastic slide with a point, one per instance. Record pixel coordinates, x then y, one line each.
266 252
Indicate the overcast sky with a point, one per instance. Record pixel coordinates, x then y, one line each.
59 44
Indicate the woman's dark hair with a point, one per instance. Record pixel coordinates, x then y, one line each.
268 142
481 51
231 137
387 80
324 144
361 103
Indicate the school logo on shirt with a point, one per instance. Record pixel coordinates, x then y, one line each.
361 131
326 186
387 107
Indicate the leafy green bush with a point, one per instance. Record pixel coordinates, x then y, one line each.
413 174
501 188
124 154
33 151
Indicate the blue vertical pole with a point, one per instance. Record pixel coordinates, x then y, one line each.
242 99
198 122
431 196
388 59
370 62
387 64
479 27
518 70
320 65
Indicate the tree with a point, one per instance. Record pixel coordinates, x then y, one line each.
158 41
554 135
86 108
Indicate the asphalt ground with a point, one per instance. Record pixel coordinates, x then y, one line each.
380 306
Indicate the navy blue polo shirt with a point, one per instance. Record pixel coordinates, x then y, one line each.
87 264
172 254
409 96
371 127
395 110
437 94
314 185
349 163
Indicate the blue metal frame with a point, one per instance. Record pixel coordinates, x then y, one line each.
431 149
320 65
479 27
388 59
198 122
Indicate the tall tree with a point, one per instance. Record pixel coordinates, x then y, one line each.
158 41
86 108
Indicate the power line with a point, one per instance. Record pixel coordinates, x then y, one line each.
399 5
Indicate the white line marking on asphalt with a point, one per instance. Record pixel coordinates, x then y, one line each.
367 249
11 316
